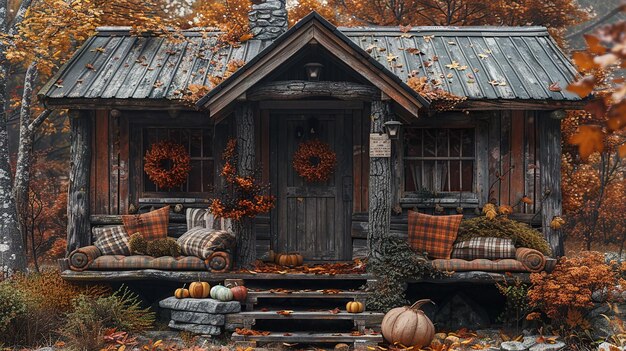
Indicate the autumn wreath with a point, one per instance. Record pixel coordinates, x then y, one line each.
314 161
167 178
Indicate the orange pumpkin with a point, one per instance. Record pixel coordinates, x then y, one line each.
355 307
199 290
408 326
290 259
181 293
240 292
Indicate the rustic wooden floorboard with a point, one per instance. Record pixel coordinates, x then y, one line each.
187 276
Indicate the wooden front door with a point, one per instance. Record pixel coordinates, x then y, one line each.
311 218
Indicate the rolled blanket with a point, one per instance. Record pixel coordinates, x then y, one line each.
218 262
81 258
531 258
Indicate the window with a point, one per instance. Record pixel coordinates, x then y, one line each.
198 142
439 160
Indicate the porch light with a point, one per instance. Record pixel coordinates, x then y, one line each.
313 70
392 128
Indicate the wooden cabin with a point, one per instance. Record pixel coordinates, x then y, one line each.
501 143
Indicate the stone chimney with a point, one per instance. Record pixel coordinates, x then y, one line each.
268 19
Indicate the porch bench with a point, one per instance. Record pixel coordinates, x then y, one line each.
90 258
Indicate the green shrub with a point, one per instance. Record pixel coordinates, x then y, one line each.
85 326
522 234
399 265
12 306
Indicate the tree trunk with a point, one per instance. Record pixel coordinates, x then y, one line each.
12 256
25 149
550 178
379 189
78 225
246 241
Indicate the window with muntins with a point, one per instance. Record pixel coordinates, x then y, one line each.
439 160
199 144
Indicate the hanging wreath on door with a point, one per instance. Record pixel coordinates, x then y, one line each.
314 161
164 177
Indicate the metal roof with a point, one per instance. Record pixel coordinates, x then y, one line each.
476 62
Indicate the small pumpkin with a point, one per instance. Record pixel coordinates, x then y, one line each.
221 293
199 290
290 259
240 292
271 256
408 326
181 293
355 307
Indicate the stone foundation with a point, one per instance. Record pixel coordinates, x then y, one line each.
199 316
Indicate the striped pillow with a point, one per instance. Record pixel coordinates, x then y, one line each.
434 235
202 242
112 240
201 217
488 248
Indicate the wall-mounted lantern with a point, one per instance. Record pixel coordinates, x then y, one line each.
392 128
313 70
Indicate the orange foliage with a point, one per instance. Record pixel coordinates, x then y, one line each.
604 55
566 292
167 178
355 267
243 195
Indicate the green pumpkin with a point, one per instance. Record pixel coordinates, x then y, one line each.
221 293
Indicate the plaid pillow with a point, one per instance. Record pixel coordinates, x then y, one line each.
201 217
151 225
201 242
434 235
113 241
488 248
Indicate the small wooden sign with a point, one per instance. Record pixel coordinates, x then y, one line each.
380 145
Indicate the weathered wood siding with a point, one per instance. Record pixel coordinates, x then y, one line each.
507 167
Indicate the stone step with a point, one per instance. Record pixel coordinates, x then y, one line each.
255 295
361 320
312 338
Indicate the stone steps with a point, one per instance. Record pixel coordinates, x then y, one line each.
312 337
254 296
361 320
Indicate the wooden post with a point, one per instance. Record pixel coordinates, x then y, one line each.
246 241
380 192
550 178
78 225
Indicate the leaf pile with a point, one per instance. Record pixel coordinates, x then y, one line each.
355 267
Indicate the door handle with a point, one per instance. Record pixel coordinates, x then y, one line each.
346 185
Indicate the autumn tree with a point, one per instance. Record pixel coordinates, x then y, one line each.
599 137
34 41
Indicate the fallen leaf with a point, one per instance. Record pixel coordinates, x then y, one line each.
589 139
555 87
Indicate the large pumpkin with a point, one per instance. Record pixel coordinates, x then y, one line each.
290 259
221 293
199 290
240 292
408 326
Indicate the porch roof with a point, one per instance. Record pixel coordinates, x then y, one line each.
486 64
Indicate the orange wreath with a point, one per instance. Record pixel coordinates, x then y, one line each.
314 161
153 164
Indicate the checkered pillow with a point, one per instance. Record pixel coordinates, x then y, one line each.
202 242
201 217
434 235
112 241
488 248
151 225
